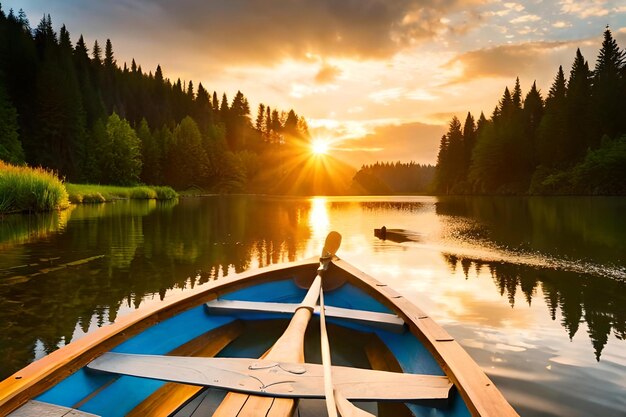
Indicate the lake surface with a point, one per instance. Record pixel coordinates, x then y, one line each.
533 288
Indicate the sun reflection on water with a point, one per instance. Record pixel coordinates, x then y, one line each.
318 221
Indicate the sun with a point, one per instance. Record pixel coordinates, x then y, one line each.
319 147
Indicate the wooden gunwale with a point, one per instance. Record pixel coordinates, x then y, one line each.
480 394
42 374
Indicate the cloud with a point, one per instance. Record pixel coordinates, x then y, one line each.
620 36
561 24
327 74
255 31
585 8
387 95
509 61
444 117
514 6
420 94
526 19
408 142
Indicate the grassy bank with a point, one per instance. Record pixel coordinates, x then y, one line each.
25 189
91 193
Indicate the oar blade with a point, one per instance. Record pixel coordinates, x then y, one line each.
332 244
330 282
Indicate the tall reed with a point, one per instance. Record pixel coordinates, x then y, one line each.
26 189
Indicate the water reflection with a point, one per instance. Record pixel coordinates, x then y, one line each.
580 298
22 228
63 276
114 256
588 229
318 217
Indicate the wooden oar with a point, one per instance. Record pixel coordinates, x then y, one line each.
288 348
334 398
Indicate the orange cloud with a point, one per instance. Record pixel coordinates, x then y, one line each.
327 74
408 142
509 61
264 32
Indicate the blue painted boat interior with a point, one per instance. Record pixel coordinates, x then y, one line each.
119 395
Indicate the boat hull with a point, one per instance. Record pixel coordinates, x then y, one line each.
184 324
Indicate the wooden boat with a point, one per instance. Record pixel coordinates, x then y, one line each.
213 351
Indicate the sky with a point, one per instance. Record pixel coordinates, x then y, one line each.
379 79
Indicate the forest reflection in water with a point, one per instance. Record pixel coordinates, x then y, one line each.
579 298
63 276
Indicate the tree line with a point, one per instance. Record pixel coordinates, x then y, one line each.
393 178
77 111
571 142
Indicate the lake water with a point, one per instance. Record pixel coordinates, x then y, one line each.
533 288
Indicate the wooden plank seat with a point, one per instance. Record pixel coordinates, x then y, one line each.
172 396
384 321
41 409
277 379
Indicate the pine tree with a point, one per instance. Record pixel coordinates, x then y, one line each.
203 112
22 19
87 79
443 166
553 129
533 113
303 128
579 118
158 75
150 155
482 121
260 119
469 142
215 104
237 122
187 163
57 139
451 175
64 39
80 51
224 108
609 94
268 123
291 124
45 36
10 146
190 92
96 54
506 105
109 59
517 95
558 89
277 126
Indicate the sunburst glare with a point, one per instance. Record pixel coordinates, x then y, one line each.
319 147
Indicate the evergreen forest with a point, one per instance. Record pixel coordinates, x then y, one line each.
573 141
384 178
74 109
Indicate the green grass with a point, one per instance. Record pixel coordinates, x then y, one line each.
25 189
91 193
